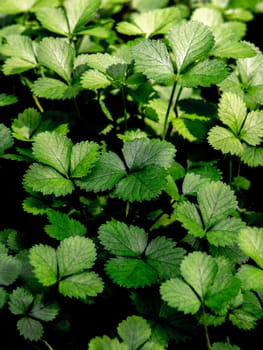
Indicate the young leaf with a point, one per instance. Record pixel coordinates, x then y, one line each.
189 216
84 155
252 129
16 65
19 46
134 331
6 139
53 149
75 254
105 343
53 19
251 277
179 295
47 180
251 242
152 59
25 124
53 89
62 226
190 41
123 240
14 7
224 140
57 55
93 80
44 261
252 156
6 100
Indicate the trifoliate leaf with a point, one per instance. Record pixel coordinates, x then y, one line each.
141 152
190 41
134 331
189 216
46 180
179 295
164 257
9 269
204 73
57 55
199 271
25 124
252 129
93 80
216 200
224 140
19 46
83 158
51 89
252 156
251 242
81 285
62 226
6 139
105 343
53 19
152 59
44 261
6 100
157 21
130 272
75 254
106 174
30 329
123 240
53 149
20 301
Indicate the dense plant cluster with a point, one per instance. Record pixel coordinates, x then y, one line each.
131 156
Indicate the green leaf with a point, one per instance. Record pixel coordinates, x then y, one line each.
26 124
190 41
204 73
199 271
105 343
216 200
46 180
62 226
53 149
164 257
44 261
179 295
19 46
43 311
16 65
75 254
9 269
30 329
252 156
152 59
189 216
81 285
6 139
106 174
157 21
53 19
102 61
193 182
93 80
3 297
252 129
57 55
251 242
84 156
134 331
14 7
224 140
123 240
224 346
6 100
20 301
130 272
50 88
251 277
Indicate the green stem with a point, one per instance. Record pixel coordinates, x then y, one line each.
208 343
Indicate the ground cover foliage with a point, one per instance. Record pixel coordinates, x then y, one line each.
131 165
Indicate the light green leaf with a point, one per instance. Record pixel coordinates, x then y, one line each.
81 285
130 272
46 180
204 73
19 46
142 185
252 129
105 343
6 139
211 17
123 240
53 149
179 295
106 174
188 215
30 329
16 65
225 141
50 88
6 100
102 61
44 261
193 182
232 111
75 254
62 226
190 41
134 331
152 59
9 269
93 80
14 6
57 55
199 271
252 156
232 49
53 19
251 242
216 201
80 12
84 155
25 124
164 257
142 152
